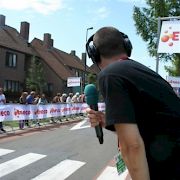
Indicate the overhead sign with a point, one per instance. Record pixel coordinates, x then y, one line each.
73 81
169 41
174 81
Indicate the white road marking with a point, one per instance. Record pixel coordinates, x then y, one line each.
111 173
61 171
80 125
20 162
5 151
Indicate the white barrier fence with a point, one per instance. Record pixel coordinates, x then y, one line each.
15 112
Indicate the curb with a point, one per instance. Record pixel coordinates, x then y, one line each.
18 132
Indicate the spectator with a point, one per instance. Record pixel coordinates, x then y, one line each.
57 98
30 100
63 98
36 99
82 98
69 98
22 100
75 98
2 101
69 101
42 101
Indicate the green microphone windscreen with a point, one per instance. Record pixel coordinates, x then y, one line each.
91 94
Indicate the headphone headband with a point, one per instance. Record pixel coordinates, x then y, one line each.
93 52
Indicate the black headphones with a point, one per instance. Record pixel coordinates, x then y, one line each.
93 52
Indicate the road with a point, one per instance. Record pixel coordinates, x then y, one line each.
69 152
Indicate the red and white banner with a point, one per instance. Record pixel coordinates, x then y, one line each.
12 112
169 41
173 81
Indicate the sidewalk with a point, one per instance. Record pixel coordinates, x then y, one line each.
44 125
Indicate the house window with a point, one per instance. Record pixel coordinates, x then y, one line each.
77 73
81 73
13 86
11 59
50 87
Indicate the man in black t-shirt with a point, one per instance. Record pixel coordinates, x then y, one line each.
140 106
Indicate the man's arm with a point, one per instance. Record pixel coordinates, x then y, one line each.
133 150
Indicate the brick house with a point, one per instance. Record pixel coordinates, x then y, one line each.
15 51
94 69
16 54
58 65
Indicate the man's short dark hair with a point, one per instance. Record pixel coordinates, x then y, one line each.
109 42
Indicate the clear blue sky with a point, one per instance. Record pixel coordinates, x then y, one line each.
67 21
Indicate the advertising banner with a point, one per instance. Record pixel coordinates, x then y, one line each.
12 112
169 41
73 81
173 81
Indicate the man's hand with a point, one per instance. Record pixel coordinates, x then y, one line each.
96 117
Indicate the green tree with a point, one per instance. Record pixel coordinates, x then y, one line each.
35 76
146 24
175 69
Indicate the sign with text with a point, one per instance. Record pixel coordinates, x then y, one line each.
174 81
73 81
169 41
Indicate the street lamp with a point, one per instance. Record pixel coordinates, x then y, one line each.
85 58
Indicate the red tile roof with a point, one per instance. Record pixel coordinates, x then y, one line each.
51 60
56 59
94 69
10 38
68 59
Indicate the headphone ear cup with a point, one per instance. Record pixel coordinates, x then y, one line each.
127 44
93 53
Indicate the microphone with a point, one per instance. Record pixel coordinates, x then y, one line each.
91 96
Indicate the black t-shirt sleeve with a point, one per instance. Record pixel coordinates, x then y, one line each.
119 107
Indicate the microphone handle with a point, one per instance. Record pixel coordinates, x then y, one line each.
98 128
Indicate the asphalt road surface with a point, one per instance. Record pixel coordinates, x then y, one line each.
69 152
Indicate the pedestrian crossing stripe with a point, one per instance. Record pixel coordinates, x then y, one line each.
61 171
81 125
18 163
111 173
5 151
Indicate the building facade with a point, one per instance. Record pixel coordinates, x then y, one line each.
16 53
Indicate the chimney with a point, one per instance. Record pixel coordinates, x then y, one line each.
51 42
2 20
73 53
47 40
83 58
24 30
